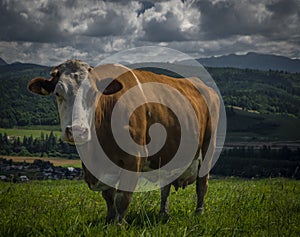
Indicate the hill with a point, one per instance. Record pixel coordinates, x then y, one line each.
252 61
17 105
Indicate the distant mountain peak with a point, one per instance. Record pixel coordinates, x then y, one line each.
252 60
2 62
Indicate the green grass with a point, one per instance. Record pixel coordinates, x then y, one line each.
269 207
34 131
41 127
72 165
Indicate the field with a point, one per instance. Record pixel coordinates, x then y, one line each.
55 161
234 207
34 131
241 126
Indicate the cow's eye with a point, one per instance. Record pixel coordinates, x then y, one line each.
57 94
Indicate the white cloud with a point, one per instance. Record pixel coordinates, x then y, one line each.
98 19
170 21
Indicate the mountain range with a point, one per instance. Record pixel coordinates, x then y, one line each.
250 60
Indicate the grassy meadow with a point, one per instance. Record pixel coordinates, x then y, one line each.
35 132
234 207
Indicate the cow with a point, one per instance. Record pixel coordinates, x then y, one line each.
65 82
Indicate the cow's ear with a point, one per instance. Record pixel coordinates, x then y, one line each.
42 86
113 88
109 86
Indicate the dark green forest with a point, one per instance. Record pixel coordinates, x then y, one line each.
265 161
43 146
17 105
263 91
268 92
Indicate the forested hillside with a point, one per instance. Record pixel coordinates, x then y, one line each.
263 91
17 105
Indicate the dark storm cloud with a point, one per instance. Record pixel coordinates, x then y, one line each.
17 23
284 8
284 22
224 19
165 30
59 21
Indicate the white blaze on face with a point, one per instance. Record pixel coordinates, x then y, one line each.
75 115
65 101
83 111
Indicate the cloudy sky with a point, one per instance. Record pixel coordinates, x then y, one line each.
51 31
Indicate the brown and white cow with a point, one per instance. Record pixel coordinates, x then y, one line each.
65 82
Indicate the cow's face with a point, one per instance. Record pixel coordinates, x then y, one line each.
65 81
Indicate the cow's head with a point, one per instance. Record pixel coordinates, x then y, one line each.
65 82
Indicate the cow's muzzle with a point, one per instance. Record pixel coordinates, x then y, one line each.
76 134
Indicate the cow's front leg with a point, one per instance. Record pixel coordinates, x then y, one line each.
165 191
128 181
201 189
121 203
109 196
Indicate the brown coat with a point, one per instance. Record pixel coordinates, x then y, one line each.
149 113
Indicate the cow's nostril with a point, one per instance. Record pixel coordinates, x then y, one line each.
69 131
80 132
69 134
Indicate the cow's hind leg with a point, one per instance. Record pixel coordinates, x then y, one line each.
201 189
165 191
109 196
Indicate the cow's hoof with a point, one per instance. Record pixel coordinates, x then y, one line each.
163 213
164 216
199 211
109 221
122 222
116 221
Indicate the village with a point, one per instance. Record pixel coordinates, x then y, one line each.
38 170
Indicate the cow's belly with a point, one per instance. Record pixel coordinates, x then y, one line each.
100 186
186 178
